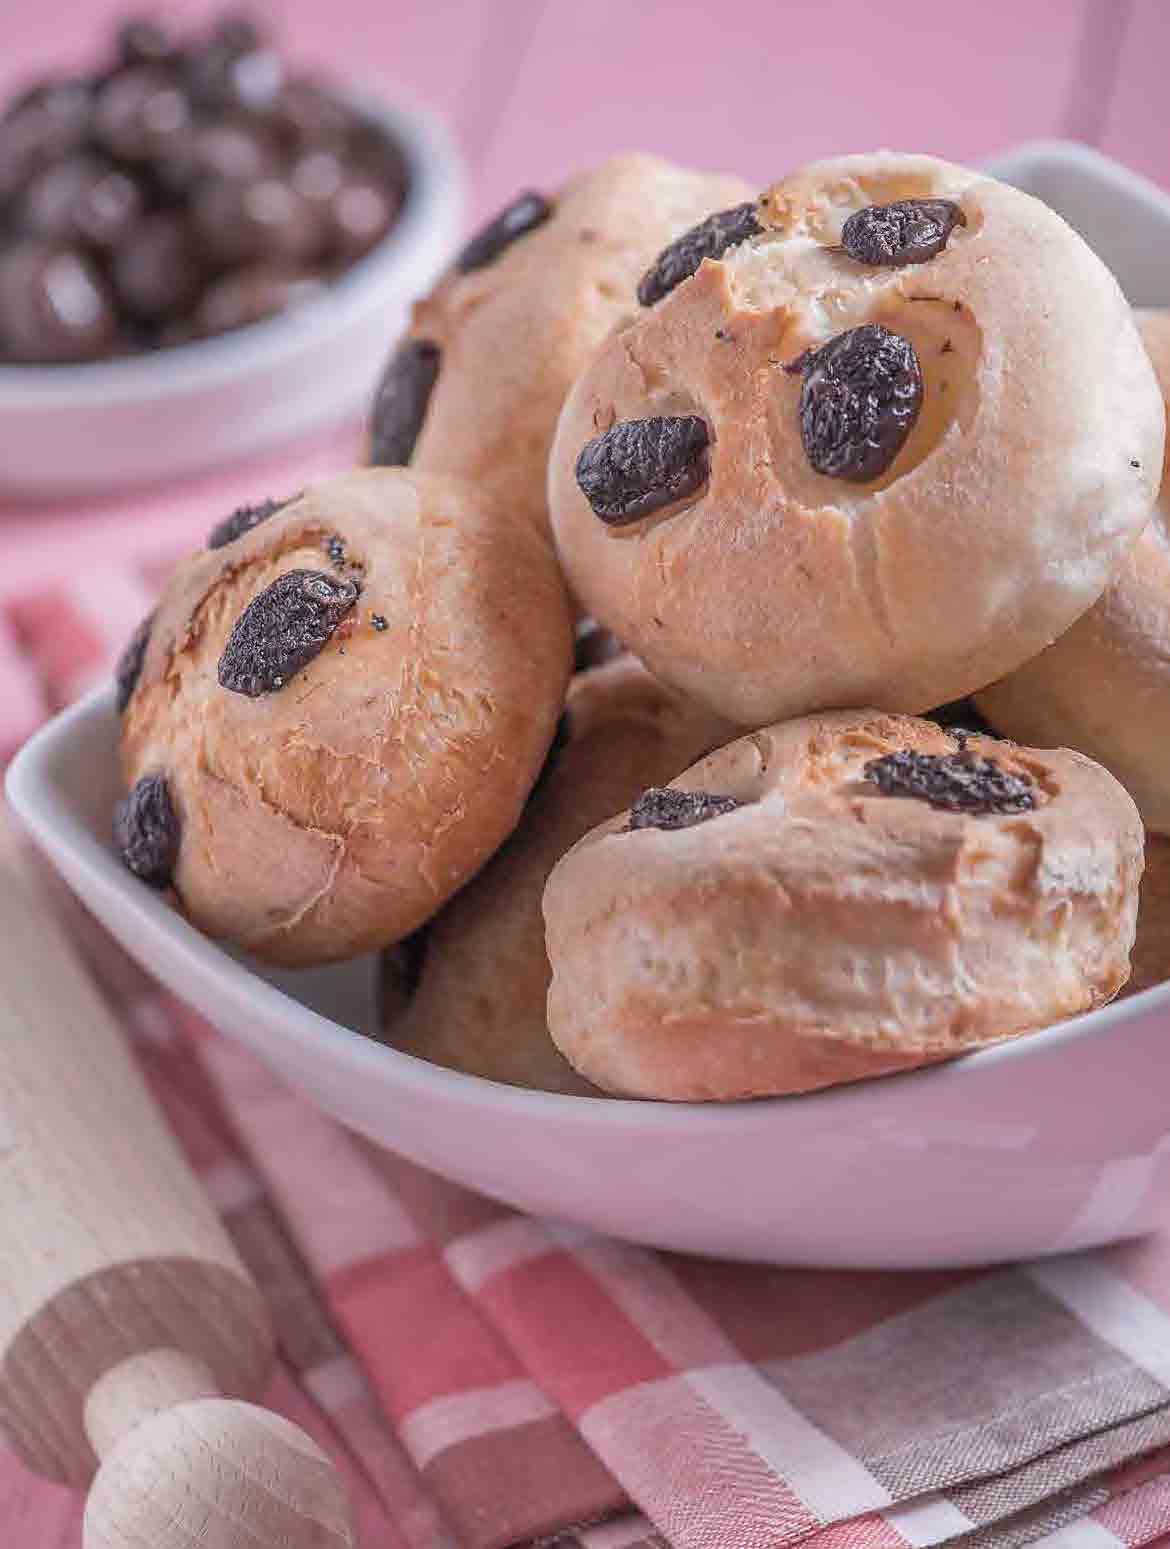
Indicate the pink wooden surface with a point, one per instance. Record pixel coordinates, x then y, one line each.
1136 120
153 526
430 50
534 88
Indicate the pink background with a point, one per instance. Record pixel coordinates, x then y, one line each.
535 88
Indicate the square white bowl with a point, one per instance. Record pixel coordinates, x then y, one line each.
1057 1141
1121 215
70 430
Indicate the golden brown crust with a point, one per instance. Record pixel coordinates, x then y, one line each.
333 816
1032 466
825 932
1151 949
516 333
480 1003
1104 687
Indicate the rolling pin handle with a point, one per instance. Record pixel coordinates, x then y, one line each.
139 1387
130 1332
219 1473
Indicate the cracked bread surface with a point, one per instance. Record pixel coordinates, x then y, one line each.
515 333
335 813
823 931
479 1005
1104 686
771 589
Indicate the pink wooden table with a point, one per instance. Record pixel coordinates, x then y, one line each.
534 88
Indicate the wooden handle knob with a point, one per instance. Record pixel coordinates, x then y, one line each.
128 1324
221 1474
184 1466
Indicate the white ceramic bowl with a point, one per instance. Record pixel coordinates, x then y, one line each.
1121 215
105 424
1060 1140
1054 1142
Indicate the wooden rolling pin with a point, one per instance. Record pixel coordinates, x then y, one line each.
130 1332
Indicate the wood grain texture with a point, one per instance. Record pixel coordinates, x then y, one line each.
109 1246
128 1326
92 1326
759 88
218 1475
429 51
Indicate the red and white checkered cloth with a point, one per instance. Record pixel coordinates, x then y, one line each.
485 1379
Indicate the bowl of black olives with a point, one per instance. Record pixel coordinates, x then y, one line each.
203 253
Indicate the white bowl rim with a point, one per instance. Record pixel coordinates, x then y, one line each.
53 825
436 180
1051 151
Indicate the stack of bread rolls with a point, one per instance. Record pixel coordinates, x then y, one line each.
605 700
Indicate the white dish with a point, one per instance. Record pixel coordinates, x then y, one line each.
1054 1142
76 429
1058 1141
1121 215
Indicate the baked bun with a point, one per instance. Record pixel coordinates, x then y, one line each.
843 896
873 453
476 387
338 711
479 1004
1151 948
1104 687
